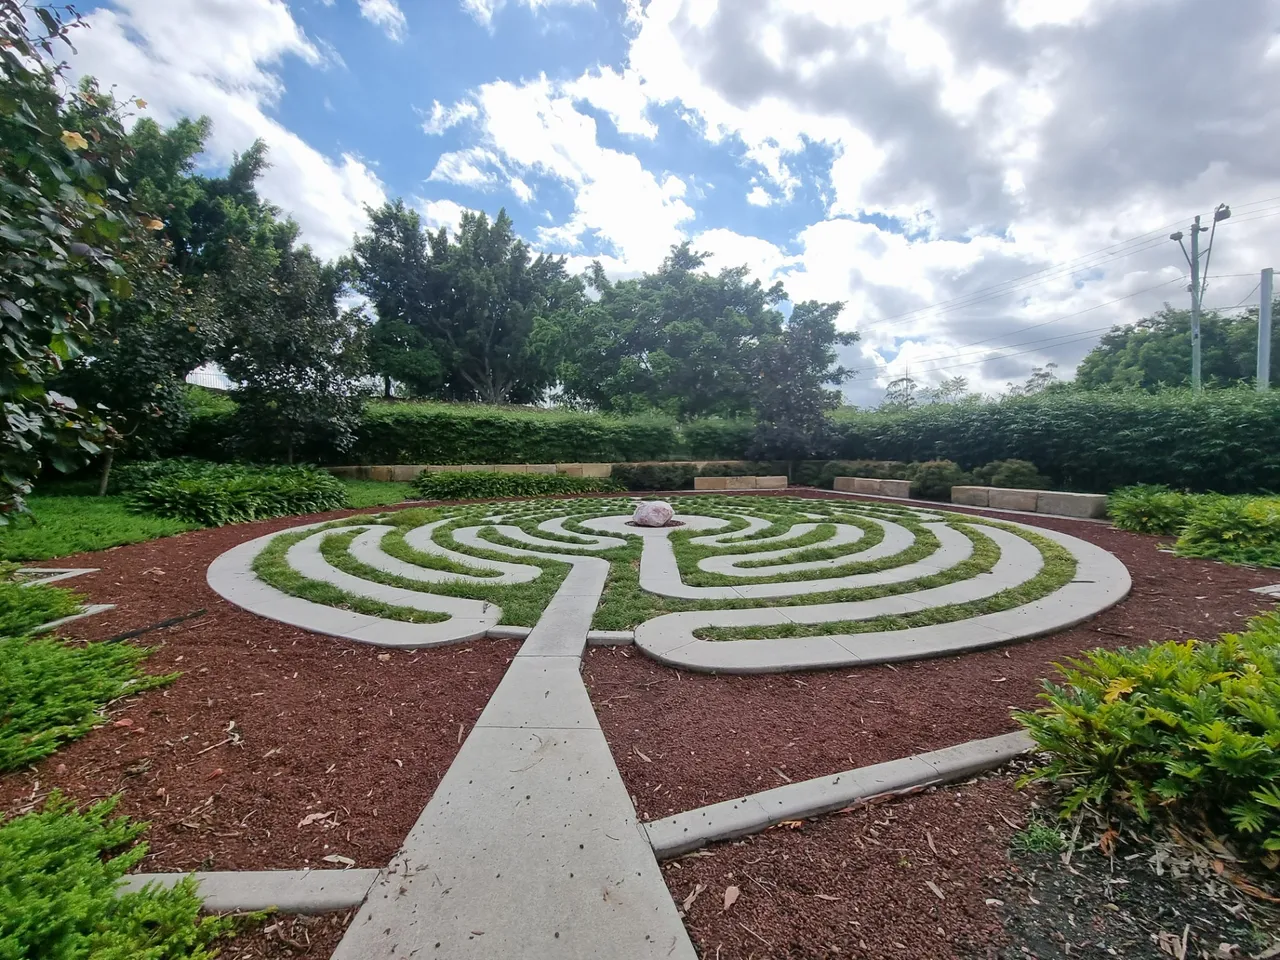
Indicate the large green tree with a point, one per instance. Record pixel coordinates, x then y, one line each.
679 340
1156 351
794 373
462 317
67 229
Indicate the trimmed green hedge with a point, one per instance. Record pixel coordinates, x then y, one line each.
451 434
1223 440
484 485
214 494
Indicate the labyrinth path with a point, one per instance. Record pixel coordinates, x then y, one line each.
530 845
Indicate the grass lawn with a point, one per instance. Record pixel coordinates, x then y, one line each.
72 522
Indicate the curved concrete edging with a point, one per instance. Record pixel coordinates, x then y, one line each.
1101 582
289 891
688 831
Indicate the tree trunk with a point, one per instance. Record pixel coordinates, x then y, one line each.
386 388
289 453
106 471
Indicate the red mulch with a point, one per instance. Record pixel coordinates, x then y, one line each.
289 938
857 884
708 738
326 726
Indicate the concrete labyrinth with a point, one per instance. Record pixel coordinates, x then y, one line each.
745 585
530 846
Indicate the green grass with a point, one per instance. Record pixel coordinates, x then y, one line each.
76 522
1037 837
23 608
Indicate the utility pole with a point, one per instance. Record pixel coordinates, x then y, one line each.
1197 284
1264 333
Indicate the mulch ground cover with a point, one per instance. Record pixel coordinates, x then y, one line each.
291 937
275 748
683 740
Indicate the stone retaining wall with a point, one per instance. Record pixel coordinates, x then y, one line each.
739 483
1050 502
409 471
876 488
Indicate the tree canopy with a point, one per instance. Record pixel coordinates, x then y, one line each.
1156 351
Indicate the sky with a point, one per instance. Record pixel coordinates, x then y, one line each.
988 185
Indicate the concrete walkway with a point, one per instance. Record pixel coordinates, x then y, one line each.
530 847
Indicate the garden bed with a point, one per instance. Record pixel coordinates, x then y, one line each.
710 738
320 725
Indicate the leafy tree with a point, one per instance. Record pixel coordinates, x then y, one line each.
460 317
1041 379
1156 351
678 340
900 394
296 357
950 390
793 373
65 223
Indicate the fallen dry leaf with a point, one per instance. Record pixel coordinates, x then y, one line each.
824 896
311 818
693 895
730 896
937 891
641 755
338 858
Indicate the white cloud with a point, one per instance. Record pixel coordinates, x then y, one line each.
443 118
521 189
387 15
220 60
759 197
534 129
440 213
620 96
485 10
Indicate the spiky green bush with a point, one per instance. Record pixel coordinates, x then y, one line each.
59 870
1150 508
215 494
25 607
1234 529
1189 728
1012 474
52 692
484 485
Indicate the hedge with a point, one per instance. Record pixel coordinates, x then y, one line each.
1221 440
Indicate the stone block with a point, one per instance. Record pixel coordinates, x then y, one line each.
512 468
711 483
541 468
771 483
569 469
1088 505
1000 498
895 488
351 473
381 473
845 484
405 472
598 470
866 485
971 496
476 467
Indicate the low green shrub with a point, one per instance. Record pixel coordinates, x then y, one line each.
483 485
217 494
1012 474
815 473
934 479
714 439
59 870
1187 728
1234 529
23 608
1150 508
655 476
52 692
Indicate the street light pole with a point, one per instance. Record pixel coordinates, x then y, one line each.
1196 384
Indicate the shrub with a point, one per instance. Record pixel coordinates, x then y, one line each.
484 485
935 478
655 476
1014 474
216 494
713 439
458 433
53 692
1234 529
23 608
1185 727
1149 508
818 474
59 870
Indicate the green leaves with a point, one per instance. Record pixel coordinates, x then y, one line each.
1187 727
478 485
59 870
